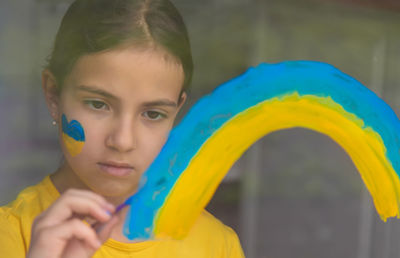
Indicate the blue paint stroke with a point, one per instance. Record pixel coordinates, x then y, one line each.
72 129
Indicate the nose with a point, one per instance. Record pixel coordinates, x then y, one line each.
123 135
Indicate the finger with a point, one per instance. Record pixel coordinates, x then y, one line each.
93 196
71 229
63 209
75 249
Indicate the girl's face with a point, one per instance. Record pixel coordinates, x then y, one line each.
126 101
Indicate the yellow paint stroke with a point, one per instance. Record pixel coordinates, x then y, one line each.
198 182
73 146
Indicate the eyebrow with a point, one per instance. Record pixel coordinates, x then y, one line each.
160 102
96 91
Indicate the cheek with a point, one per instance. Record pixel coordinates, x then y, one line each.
82 162
153 143
73 135
94 144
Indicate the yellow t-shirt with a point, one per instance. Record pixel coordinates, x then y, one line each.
208 237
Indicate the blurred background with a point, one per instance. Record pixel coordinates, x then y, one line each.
295 193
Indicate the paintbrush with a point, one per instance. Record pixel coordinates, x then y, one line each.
98 226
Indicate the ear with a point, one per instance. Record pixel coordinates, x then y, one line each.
51 93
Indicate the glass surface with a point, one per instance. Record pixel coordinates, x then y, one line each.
295 193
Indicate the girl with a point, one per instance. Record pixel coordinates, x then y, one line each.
115 81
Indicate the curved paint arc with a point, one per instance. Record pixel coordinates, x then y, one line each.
199 181
270 97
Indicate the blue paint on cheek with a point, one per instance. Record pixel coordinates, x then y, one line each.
73 129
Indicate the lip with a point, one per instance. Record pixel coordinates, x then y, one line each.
117 169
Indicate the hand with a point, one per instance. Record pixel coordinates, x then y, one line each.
60 231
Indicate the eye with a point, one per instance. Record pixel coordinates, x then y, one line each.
96 104
154 115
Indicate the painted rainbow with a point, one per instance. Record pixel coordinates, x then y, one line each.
270 97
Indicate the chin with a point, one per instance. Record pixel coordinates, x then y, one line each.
114 189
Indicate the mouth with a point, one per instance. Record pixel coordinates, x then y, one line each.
116 168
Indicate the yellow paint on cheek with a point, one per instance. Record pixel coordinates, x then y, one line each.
74 147
221 150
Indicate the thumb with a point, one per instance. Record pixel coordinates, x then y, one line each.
104 231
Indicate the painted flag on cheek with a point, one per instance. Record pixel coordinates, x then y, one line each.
73 136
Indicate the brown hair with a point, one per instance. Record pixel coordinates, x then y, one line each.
91 26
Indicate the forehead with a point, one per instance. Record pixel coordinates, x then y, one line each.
128 72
